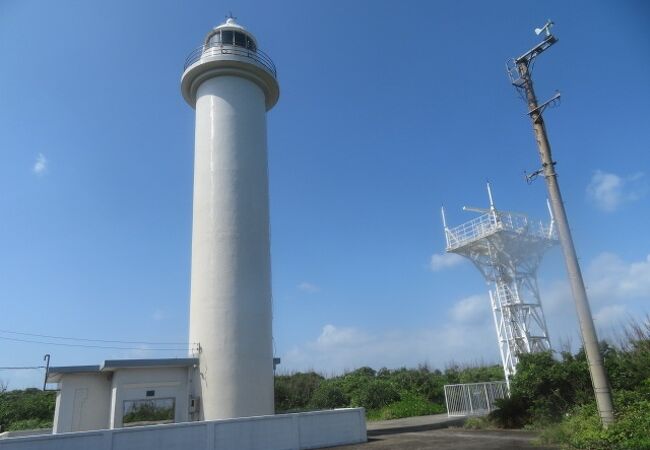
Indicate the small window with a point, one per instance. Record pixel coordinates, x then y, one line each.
148 412
227 37
240 39
151 393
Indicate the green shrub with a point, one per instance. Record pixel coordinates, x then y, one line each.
580 430
472 373
628 366
481 374
375 394
29 424
511 412
409 405
421 381
376 390
23 405
367 372
547 388
557 395
329 395
294 392
352 382
632 429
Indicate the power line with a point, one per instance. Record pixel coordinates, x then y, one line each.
64 344
92 340
22 368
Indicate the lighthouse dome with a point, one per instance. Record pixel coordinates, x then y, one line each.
229 49
231 33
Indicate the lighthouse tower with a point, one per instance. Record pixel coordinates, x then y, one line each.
231 84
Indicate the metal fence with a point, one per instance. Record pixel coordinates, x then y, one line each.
473 399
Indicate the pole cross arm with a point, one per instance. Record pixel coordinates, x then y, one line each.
550 102
539 48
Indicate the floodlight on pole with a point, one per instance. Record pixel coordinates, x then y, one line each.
546 28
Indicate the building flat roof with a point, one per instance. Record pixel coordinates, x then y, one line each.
54 374
74 369
112 364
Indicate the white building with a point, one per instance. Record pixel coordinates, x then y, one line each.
122 393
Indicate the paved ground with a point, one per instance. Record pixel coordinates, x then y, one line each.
432 432
421 423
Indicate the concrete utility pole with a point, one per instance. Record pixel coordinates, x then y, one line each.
524 82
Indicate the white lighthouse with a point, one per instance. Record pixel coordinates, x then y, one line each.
231 84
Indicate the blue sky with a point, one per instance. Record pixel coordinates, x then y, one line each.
387 111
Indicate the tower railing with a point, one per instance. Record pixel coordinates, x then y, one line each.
491 222
207 51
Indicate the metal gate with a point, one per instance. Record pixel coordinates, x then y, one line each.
473 399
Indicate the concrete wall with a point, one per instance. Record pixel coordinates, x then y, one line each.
282 432
83 403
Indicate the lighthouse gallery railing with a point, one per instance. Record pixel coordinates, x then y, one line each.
206 51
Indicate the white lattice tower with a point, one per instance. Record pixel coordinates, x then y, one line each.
507 248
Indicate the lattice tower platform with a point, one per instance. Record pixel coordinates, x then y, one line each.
507 248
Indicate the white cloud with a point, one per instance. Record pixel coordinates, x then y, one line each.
308 287
338 348
612 279
609 191
332 336
610 316
444 261
472 309
616 290
40 166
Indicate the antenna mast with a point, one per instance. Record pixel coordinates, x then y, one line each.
520 75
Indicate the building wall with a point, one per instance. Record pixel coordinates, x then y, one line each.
83 402
95 401
133 384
